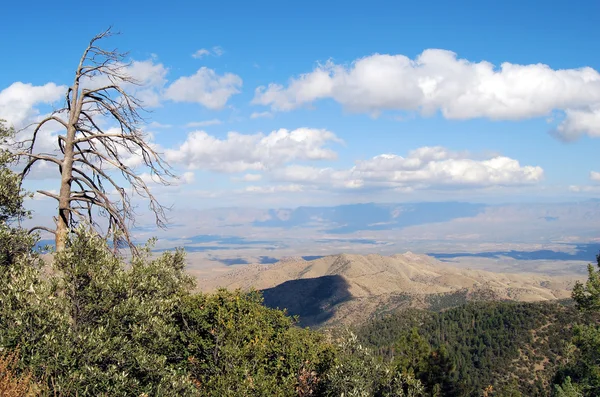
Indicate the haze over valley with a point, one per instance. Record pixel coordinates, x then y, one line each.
546 238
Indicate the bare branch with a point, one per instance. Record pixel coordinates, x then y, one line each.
37 129
48 194
44 228
34 158
90 154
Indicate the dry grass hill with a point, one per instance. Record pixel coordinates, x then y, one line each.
352 288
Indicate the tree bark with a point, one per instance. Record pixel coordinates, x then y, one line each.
66 177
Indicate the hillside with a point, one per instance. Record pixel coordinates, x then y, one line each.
352 288
481 344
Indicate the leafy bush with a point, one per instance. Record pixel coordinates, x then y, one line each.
96 326
237 347
357 372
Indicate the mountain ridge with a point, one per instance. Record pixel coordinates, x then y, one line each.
363 285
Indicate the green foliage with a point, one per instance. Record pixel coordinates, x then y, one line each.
238 347
584 371
464 350
358 372
96 327
412 353
567 389
587 296
11 195
14 242
89 324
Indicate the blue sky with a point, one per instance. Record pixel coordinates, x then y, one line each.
340 121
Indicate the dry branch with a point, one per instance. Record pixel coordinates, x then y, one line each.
91 156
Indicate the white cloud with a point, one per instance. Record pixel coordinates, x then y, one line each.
19 100
196 124
216 51
187 178
201 53
149 179
595 176
150 79
252 177
584 188
424 168
240 152
578 122
258 115
274 189
437 80
157 125
205 87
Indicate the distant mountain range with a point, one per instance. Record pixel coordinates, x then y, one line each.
450 231
344 219
447 230
352 288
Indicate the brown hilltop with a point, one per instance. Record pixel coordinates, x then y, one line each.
348 288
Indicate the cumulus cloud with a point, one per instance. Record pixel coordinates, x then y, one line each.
218 50
437 80
243 152
205 87
595 176
152 87
151 78
19 100
578 122
424 168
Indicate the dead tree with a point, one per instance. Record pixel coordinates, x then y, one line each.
101 124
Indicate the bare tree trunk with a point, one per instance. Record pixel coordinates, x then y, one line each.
90 156
64 195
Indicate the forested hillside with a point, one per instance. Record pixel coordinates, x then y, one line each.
509 346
